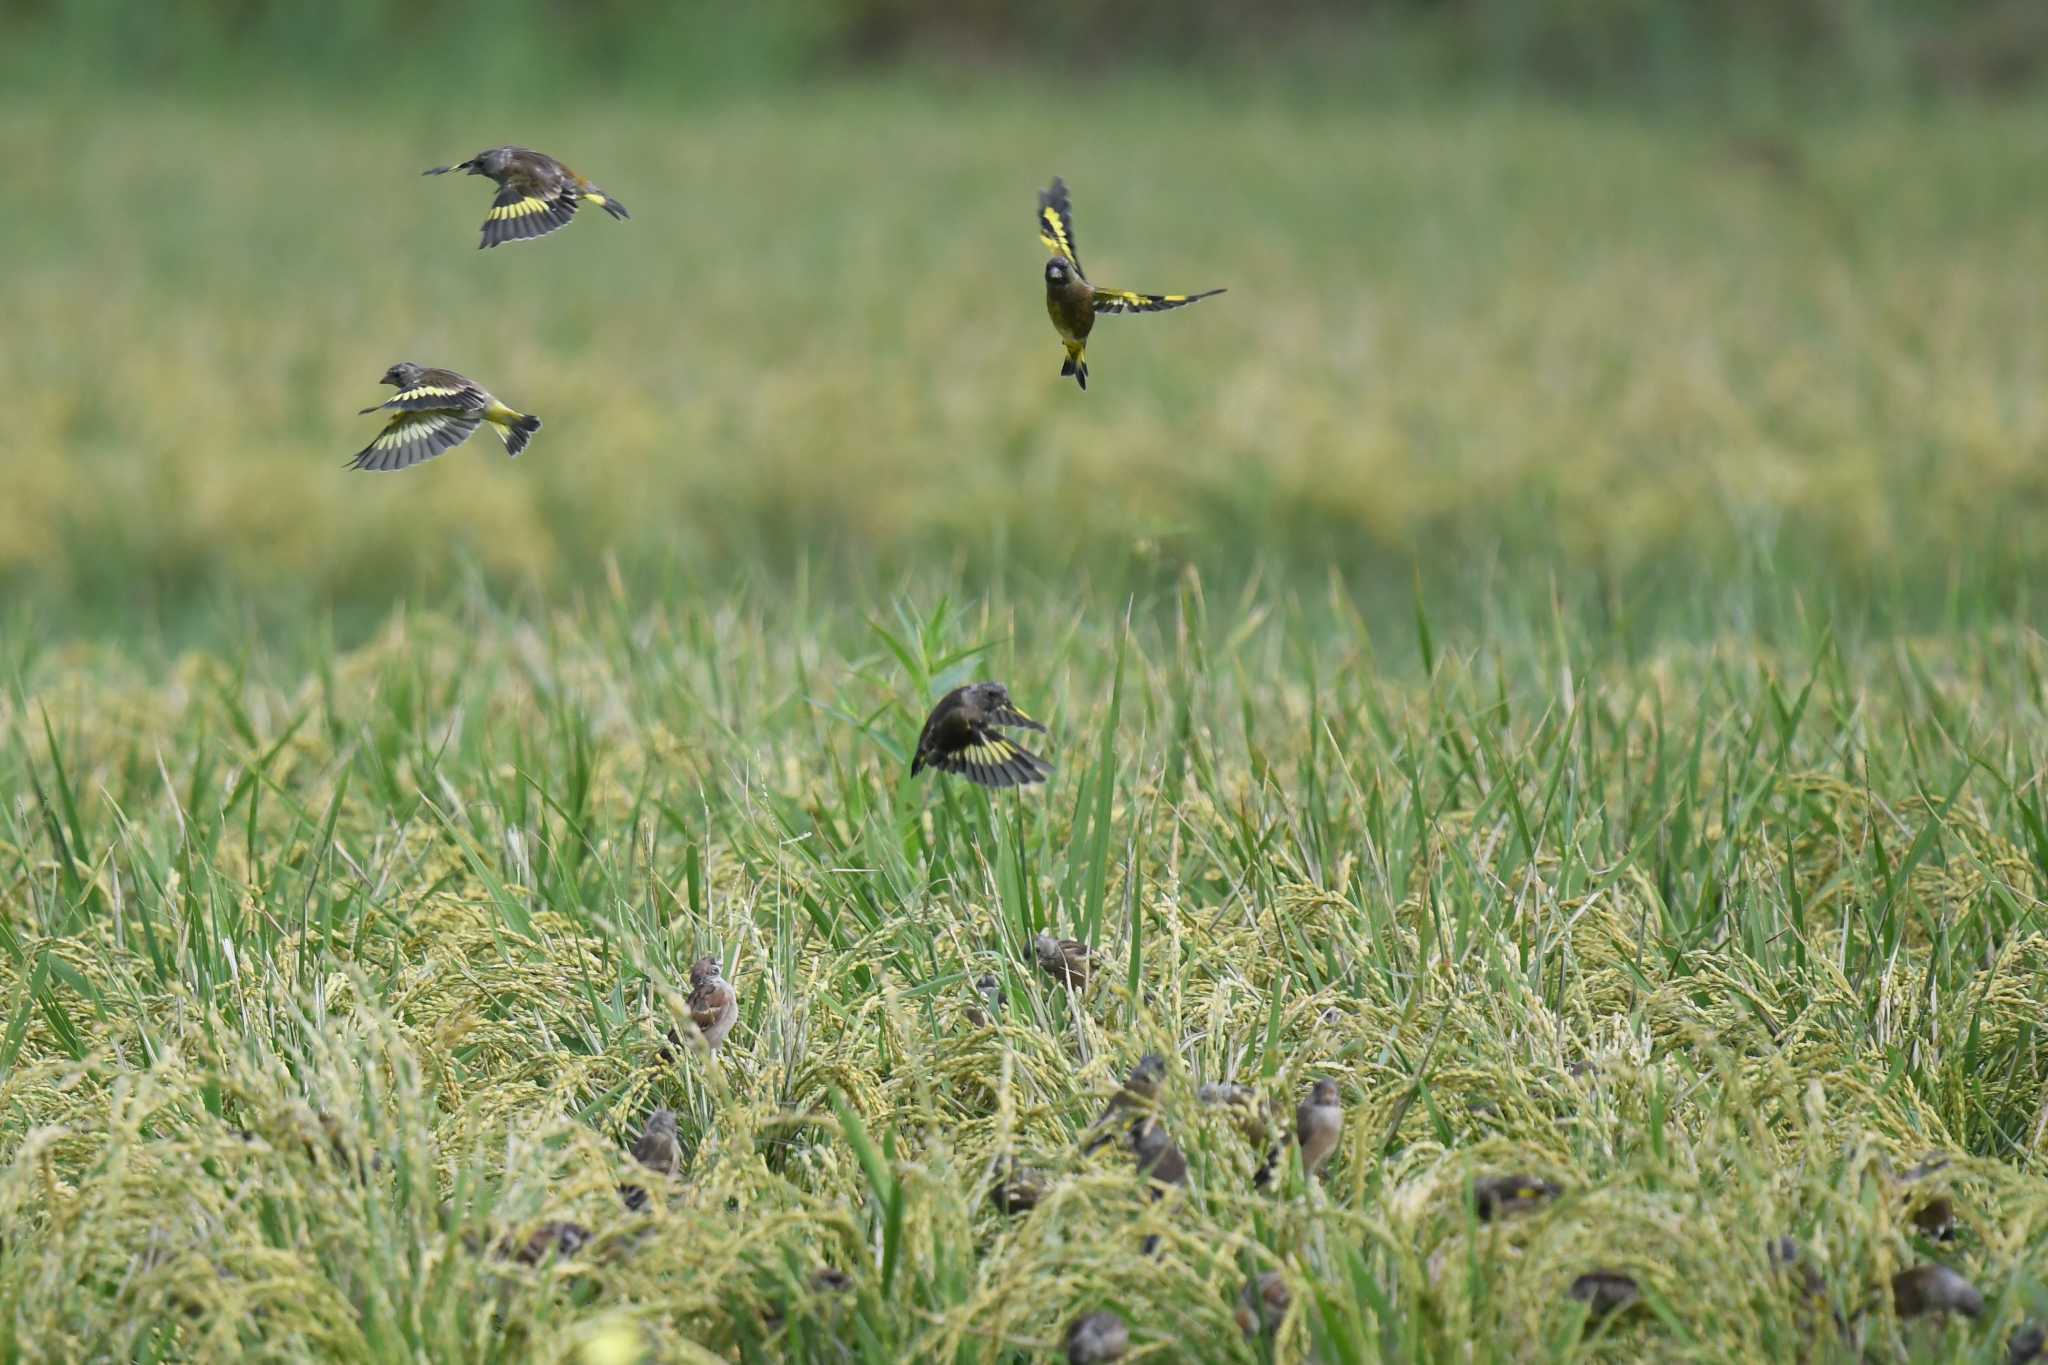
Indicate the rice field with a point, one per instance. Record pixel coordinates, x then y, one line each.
1552 651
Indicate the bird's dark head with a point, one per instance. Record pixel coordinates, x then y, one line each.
1059 272
1148 1073
403 375
492 162
1324 1093
705 969
988 696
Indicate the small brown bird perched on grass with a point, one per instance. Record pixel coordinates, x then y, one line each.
1318 1124
1139 1090
1604 1292
1263 1303
656 1149
1019 1188
1159 1157
1074 303
536 193
990 988
435 411
1500 1196
1933 1288
1065 960
961 737
714 1005
1097 1338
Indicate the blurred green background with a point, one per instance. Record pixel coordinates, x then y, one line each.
1616 296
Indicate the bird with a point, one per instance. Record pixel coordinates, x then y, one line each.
1065 960
961 737
1318 1123
1934 1288
1604 1292
714 1004
1097 1337
1936 1219
989 987
1159 1157
1263 1303
1019 1188
435 411
1139 1091
1074 303
536 193
1498 1196
657 1150
565 1239
2029 1343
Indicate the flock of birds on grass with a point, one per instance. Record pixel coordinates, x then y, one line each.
435 410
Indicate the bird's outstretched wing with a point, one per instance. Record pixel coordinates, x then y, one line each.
1008 714
411 438
1056 223
992 761
517 214
430 395
1124 301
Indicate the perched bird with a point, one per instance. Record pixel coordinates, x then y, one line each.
1070 299
1934 1288
536 193
1785 1257
1253 1118
1604 1292
830 1279
990 988
435 411
1263 1303
564 1239
960 736
1065 960
1139 1091
2029 1343
1318 1123
714 1004
1019 1188
657 1150
1936 1219
1159 1156
1498 1196
1097 1337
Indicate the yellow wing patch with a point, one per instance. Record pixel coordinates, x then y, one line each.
992 752
1056 223
426 391
1127 301
519 208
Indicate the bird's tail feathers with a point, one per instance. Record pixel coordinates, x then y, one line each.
517 434
1076 366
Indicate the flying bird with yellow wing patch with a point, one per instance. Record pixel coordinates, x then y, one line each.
435 411
536 193
1070 299
962 736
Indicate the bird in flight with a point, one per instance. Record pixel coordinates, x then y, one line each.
435 411
1070 299
961 736
536 193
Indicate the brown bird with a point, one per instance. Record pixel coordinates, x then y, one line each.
1071 301
2028 1344
1065 960
1318 1123
656 1149
1933 1288
564 1239
990 988
1263 1303
1604 1292
1159 1156
1096 1338
1498 1196
714 1005
433 412
1019 1188
1140 1090
961 737
1936 1219
536 193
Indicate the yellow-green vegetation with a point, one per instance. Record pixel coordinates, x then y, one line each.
1550 650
